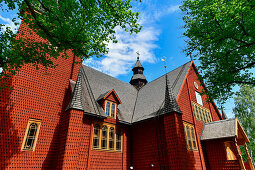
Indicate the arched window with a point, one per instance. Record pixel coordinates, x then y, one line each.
190 136
107 109
118 140
111 138
31 135
104 138
96 136
113 110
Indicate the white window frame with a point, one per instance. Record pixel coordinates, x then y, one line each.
199 98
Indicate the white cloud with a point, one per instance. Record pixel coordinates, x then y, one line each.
122 56
8 23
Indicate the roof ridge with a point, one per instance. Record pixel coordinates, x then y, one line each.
77 94
165 74
94 101
219 121
134 107
109 76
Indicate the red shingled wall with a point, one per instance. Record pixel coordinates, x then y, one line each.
217 158
159 141
39 94
186 95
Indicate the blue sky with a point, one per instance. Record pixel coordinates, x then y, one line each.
161 36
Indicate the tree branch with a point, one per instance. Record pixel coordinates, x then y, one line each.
244 82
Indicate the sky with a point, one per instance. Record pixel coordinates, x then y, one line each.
160 37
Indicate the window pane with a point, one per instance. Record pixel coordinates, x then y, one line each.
194 110
107 109
96 136
193 138
31 136
104 138
199 113
188 137
199 98
118 140
113 110
111 138
202 113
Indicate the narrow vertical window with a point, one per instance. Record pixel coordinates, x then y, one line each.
31 135
113 110
199 98
111 138
107 109
104 138
188 138
118 140
193 138
96 136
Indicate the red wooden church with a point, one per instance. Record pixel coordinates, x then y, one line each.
75 117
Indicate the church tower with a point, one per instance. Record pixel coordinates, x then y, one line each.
138 79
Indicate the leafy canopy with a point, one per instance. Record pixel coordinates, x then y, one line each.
85 26
245 111
220 34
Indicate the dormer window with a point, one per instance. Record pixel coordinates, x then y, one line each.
109 101
110 109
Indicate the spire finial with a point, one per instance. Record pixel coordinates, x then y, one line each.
138 55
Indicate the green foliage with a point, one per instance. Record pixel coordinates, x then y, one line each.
220 34
85 26
245 112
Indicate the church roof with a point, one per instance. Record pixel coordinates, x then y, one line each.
137 105
227 128
219 129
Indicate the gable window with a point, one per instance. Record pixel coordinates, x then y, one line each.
96 136
199 98
110 109
31 135
201 113
190 136
110 138
229 152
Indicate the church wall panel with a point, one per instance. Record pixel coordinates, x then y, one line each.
41 94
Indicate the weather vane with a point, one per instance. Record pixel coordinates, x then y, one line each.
138 55
164 59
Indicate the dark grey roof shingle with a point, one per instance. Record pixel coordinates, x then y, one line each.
138 64
138 76
136 105
151 96
219 129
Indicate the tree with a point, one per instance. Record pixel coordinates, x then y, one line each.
85 26
220 34
245 111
